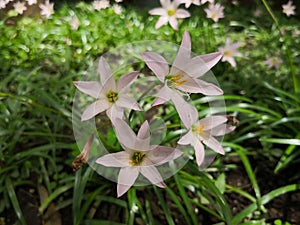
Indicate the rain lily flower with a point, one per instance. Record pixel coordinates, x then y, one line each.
188 3
47 9
274 61
117 9
139 157
31 2
101 4
20 7
74 23
169 13
289 9
214 11
111 97
182 77
203 132
229 51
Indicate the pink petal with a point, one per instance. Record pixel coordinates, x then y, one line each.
126 179
158 12
187 112
106 76
165 3
161 21
199 152
126 80
125 134
173 22
212 121
119 159
115 112
187 139
144 131
152 174
91 88
163 96
125 101
214 145
222 129
182 13
157 64
162 154
95 108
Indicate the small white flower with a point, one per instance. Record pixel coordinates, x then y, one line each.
3 4
188 3
274 61
31 2
47 9
289 9
20 7
74 23
117 9
214 11
229 51
101 4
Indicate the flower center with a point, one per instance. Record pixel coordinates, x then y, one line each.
137 158
171 12
176 79
112 96
227 53
274 60
198 130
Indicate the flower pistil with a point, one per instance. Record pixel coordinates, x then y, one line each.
176 79
112 96
137 158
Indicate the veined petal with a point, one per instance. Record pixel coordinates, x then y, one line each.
105 73
173 22
158 12
152 174
186 112
157 64
91 88
199 152
212 121
125 134
119 159
163 96
125 101
161 21
222 129
126 80
213 143
126 179
182 13
95 108
115 112
162 154
144 131
200 86
188 138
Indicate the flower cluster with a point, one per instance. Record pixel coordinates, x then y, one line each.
182 78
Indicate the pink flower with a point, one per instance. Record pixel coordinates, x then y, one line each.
111 97
20 7
289 9
139 157
188 3
47 9
182 77
229 51
214 11
169 13
273 61
202 132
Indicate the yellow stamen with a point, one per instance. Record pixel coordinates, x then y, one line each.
112 96
198 130
227 53
171 12
137 158
176 79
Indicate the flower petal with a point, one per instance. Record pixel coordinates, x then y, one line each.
173 22
158 12
115 112
214 145
161 21
184 52
182 13
157 64
163 96
95 108
144 131
162 154
125 134
119 159
152 174
91 88
212 121
222 129
199 152
106 76
188 138
125 101
126 80
126 179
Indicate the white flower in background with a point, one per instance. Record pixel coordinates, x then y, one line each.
118 1
47 9
117 9
203 132
169 13
229 51
289 9
214 11
20 7
188 3
101 4
31 2
210 1
74 23
2 4
274 61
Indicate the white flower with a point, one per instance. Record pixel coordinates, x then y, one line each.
289 9
3 4
210 1
20 7
117 9
101 4
188 3
229 51
273 61
214 11
202 132
74 23
118 1
31 2
47 9
169 13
